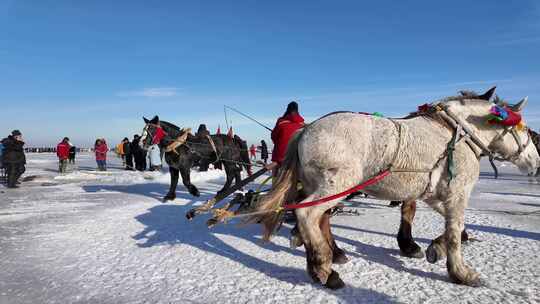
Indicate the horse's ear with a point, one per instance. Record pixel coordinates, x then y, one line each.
155 120
518 107
145 120
487 95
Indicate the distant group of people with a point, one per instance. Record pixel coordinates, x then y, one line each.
262 149
134 157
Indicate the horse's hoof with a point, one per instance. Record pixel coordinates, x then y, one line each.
431 254
190 214
472 279
195 192
415 253
340 258
394 204
464 236
295 241
334 282
169 198
211 222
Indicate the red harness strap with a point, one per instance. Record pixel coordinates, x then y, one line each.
323 200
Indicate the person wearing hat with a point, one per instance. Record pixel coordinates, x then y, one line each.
62 151
72 153
120 152
264 151
2 171
285 128
154 152
13 157
138 153
127 152
101 149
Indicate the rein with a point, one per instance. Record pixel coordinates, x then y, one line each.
323 200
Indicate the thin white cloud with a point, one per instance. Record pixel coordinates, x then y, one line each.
151 92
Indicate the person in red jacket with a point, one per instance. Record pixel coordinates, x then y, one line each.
285 128
253 152
62 151
101 150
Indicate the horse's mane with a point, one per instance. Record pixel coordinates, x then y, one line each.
462 96
171 129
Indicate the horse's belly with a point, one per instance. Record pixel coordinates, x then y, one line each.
400 187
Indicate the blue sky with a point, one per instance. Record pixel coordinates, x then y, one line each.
88 69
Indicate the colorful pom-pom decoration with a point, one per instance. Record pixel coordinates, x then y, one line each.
504 116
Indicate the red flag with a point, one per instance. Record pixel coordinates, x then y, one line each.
230 133
218 130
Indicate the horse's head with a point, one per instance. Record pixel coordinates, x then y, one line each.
500 126
149 131
513 141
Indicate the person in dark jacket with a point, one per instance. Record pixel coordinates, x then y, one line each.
128 154
72 153
2 169
264 151
138 153
13 157
202 131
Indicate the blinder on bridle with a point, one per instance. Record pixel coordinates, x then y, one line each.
146 135
515 135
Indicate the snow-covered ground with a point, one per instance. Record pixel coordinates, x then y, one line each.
90 237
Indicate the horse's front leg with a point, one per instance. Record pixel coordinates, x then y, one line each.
454 224
318 250
171 195
186 180
437 249
407 245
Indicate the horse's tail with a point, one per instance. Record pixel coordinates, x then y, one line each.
284 189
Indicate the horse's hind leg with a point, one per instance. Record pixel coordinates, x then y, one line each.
338 255
238 175
457 270
407 245
318 250
229 173
186 180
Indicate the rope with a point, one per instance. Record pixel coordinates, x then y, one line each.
218 155
361 186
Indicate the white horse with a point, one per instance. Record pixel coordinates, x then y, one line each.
341 150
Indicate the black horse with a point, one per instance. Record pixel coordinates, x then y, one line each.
185 149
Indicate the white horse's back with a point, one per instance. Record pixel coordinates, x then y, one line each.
345 149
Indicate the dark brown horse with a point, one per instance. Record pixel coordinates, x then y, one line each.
220 150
